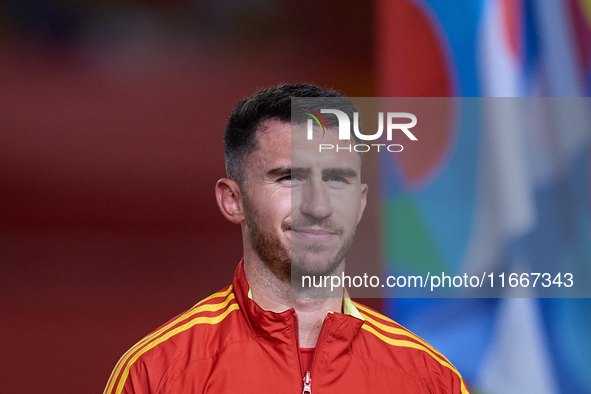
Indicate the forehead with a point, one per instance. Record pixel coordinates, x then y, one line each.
280 145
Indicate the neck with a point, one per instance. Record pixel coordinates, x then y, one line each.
273 294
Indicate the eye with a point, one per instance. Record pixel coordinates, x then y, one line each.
337 178
291 178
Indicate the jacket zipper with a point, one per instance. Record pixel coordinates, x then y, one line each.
307 384
307 376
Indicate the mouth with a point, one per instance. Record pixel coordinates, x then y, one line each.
313 234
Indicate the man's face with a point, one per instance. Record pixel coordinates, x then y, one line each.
301 206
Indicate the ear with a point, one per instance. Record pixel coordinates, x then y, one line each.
229 198
364 188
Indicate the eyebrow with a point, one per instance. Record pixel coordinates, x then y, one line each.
279 171
327 172
339 171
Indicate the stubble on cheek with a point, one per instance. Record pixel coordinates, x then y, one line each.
272 251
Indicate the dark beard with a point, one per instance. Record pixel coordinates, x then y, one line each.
276 255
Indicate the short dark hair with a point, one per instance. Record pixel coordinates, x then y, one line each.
271 103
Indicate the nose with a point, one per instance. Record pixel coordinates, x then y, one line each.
316 200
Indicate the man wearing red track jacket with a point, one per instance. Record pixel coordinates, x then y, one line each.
256 336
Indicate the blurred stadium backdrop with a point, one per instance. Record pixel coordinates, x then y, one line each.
110 145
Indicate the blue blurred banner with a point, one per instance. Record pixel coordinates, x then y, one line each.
506 200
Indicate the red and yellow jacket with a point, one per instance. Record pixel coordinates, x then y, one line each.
228 344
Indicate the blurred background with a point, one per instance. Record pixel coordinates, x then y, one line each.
111 119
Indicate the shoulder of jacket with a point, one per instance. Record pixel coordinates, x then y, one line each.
402 347
196 333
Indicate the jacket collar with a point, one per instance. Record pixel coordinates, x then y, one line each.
282 326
